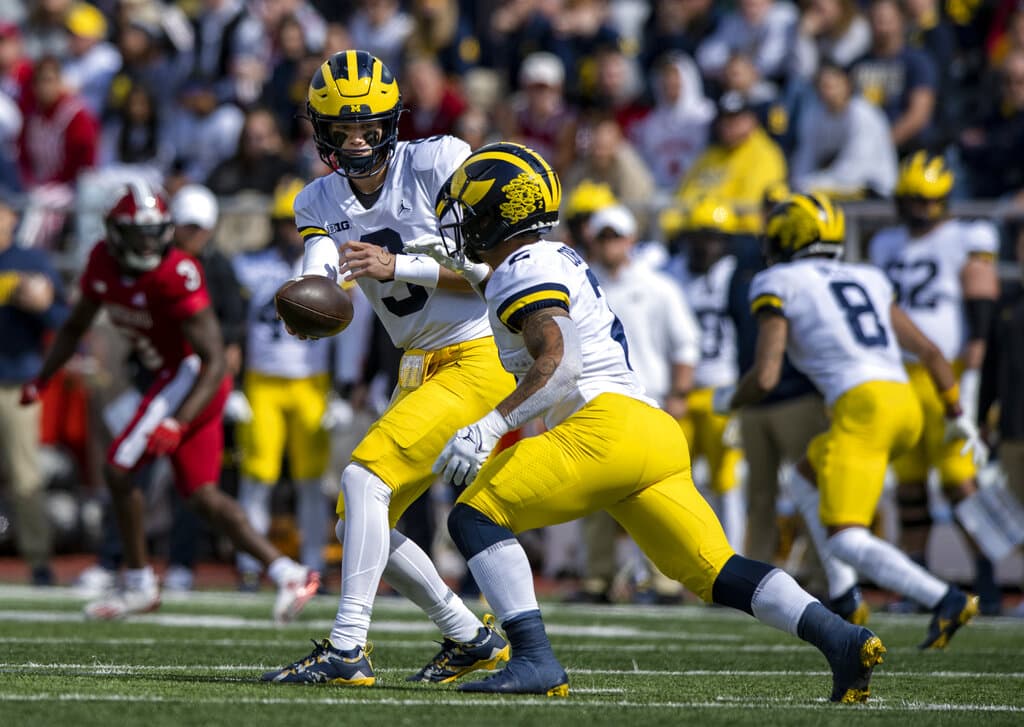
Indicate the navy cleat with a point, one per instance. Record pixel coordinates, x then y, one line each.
327 665
852 663
524 676
851 607
954 610
486 651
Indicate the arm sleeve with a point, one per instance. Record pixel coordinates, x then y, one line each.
321 255
767 293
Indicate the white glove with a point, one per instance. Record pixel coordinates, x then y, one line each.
338 415
731 437
721 399
964 428
970 388
469 448
237 408
433 246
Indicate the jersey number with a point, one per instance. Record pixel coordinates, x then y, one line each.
914 295
712 332
418 295
861 315
188 270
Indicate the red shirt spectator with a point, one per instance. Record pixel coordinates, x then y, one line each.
59 137
432 105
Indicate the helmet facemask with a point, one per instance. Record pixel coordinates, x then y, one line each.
330 141
139 248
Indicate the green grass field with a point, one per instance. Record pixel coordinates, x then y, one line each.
197 662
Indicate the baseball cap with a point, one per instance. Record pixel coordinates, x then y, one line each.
542 68
733 102
194 204
616 218
86 21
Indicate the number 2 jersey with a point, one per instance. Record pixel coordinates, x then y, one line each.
549 274
926 274
149 308
840 328
327 213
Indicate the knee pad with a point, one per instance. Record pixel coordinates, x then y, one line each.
738 581
473 532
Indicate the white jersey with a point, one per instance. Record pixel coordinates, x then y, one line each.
708 296
840 327
268 349
659 325
550 274
926 274
328 213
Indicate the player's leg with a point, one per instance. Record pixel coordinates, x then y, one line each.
308 450
262 444
763 462
723 462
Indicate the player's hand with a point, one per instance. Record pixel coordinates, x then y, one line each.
721 399
433 246
165 438
30 392
961 427
366 260
237 408
290 332
468 449
338 415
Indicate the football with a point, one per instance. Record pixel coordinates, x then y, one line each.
314 306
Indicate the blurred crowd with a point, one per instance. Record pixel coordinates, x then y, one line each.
653 104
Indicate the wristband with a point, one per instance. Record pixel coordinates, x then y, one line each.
417 270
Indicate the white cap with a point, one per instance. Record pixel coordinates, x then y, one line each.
194 204
617 218
542 68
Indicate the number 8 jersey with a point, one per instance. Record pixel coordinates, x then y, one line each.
328 213
840 330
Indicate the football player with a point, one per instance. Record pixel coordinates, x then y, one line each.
156 296
356 224
704 269
943 273
607 445
840 326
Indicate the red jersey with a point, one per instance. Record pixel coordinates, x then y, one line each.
150 307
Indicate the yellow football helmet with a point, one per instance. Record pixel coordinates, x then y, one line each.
588 197
773 194
922 190
282 206
802 225
711 214
500 191
353 86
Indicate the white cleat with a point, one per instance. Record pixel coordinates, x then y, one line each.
124 603
293 595
95 581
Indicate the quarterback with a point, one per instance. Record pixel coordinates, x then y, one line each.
840 326
356 224
607 445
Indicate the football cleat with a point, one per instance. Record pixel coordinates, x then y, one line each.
454 659
853 664
293 595
125 602
524 676
95 581
327 665
954 610
851 607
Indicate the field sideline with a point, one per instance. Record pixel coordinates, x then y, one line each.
197 662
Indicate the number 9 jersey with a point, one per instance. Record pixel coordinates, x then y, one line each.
840 330
327 213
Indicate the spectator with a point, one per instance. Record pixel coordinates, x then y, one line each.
582 202
741 76
930 32
135 135
843 144
676 131
60 136
284 93
765 29
45 33
381 27
830 31
902 81
993 151
145 61
441 31
432 104
675 26
538 115
274 13
30 304
92 62
259 162
475 128
231 50
739 166
620 89
581 32
15 67
611 159
204 131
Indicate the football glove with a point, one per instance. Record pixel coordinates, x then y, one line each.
237 408
338 415
961 427
721 400
433 246
165 438
468 449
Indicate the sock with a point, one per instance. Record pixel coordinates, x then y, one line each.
365 554
254 499
283 569
504 575
311 509
139 579
841 577
821 627
411 572
887 566
779 601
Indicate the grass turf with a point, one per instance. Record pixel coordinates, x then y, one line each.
197 662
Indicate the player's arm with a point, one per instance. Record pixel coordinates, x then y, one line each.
980 282
763 376
203 334
68 336
911 339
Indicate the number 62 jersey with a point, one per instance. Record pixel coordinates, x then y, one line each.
840 328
